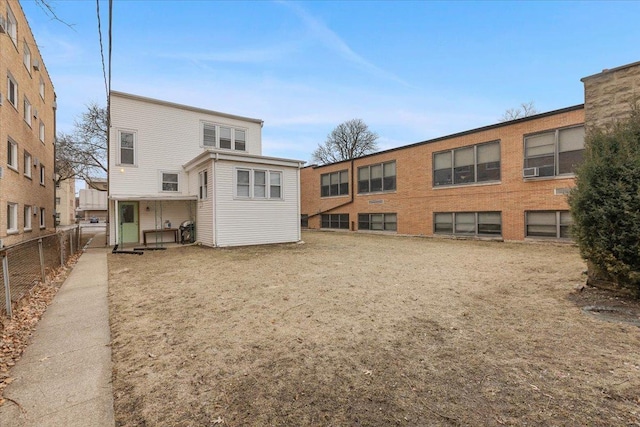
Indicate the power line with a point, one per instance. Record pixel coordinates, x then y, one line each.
104 71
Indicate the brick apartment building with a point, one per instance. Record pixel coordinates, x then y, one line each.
27 132
506 181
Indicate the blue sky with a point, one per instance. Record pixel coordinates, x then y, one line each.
411 70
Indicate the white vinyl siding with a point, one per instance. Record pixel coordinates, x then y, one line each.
255 221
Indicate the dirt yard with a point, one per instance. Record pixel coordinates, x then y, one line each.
356 329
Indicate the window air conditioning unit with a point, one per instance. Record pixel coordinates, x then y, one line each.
3 24
35 113
36 65
530 172
35 210
36 162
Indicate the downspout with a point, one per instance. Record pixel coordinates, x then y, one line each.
213 202
351 199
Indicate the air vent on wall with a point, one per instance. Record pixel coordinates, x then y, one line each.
530 172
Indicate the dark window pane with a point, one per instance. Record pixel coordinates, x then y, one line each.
489 171
544 164
389 183
225 137
333 191
363 221
568 160
376 184
325 221
304 220
463 174
442 177
126 156
363 186
324 191
344 188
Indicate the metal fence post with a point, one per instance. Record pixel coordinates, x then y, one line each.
78 236
41 252
62 249
70 233
7 289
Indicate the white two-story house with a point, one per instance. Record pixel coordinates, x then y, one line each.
172 163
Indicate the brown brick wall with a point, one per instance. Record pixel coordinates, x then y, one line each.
608 95
15 187
415 200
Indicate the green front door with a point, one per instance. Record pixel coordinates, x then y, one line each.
129 232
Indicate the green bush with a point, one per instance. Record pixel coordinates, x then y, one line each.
605 204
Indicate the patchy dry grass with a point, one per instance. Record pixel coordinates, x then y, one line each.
353 329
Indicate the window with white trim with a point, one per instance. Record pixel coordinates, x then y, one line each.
42 173
203 184
334 184
41 88
27 217
43 222
126 147
258 184
468 223
28 164
12 154
226 137
467 165
27 111
12 26
26 56
377 178
12 90
548 224
12 217
553 153
170 181
378 222
41 131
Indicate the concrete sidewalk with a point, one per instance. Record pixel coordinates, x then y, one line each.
64 375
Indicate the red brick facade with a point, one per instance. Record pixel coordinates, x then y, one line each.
416 199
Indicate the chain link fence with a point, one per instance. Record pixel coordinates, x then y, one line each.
26 264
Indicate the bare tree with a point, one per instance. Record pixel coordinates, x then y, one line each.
525 109
83 153
348 140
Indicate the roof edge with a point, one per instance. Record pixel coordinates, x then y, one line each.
182 106
610 70
463 133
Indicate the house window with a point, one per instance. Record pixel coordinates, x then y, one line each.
467 165
127 148
57 201
27 111
252 184
12 27
41 131
169 181
41 89
553 153
43 222
550 224
41 174
217 136
468 223
26 57
334 184
378 222
28 164
12 217
203 179
12 155
27 217
12 91
340 221
240 140
304 220
377 178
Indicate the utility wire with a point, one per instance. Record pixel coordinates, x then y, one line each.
104 71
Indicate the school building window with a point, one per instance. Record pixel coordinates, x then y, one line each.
553 153
468 223
467 165
549 224
340 221
378 222
377 178
334 184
